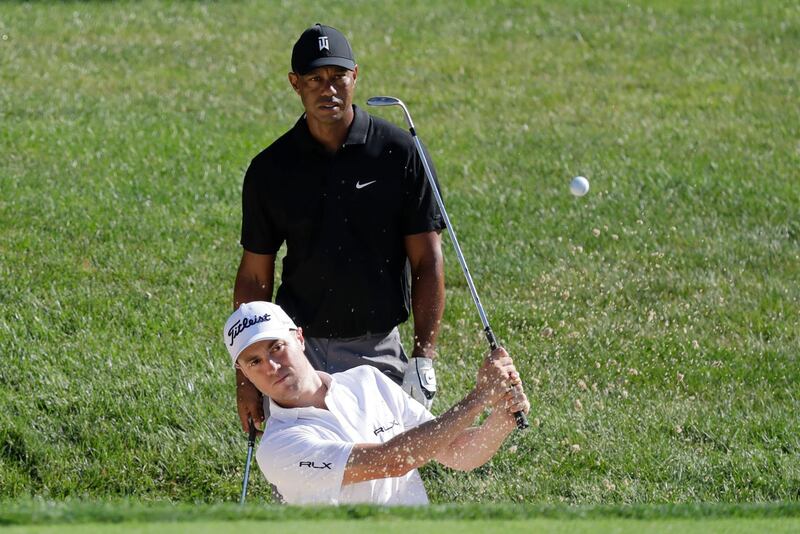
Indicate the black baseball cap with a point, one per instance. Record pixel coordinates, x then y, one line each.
320 46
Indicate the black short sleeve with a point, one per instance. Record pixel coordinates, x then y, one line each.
421 212
260 234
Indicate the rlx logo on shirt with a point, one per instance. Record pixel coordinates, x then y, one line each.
385 428
313 465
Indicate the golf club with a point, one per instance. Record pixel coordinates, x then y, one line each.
251 441
522 421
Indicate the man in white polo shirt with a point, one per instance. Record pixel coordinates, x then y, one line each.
356 436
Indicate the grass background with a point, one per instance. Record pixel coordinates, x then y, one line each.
655 319
482 526
37 516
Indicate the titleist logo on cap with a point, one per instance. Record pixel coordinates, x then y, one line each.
253 322
240 326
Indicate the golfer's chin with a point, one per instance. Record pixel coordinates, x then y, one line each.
285 392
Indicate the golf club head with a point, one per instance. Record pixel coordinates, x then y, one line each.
383 101
392 101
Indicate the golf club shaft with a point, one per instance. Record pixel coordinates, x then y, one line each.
461 261
522 421
251 441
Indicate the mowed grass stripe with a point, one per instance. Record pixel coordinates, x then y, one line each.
71 511
545 526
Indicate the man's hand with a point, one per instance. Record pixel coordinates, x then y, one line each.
248 402
496 376
514 401
420 380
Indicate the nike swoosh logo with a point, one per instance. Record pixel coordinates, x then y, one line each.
359 185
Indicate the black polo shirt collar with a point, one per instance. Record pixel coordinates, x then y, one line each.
358 130
357 135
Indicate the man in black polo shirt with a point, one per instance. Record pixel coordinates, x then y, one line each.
347 193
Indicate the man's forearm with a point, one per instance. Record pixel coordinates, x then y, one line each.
427 299
476 445
250 289
414 447
254 279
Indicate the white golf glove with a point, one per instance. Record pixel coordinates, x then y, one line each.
420 380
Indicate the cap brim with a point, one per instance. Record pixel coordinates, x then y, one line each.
263 336
349 64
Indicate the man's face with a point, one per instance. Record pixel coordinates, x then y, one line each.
326 92
278 368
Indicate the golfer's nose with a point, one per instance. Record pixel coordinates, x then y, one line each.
329 87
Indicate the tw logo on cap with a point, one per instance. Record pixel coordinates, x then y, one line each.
323 43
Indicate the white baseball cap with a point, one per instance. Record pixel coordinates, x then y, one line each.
255 321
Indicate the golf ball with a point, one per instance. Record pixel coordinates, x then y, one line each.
579 186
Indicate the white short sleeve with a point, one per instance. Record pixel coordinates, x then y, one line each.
412 412
305 468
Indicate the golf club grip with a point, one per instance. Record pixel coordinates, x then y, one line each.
251 438
521 419
490 337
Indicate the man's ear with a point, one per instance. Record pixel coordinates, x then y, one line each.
300 338
355 75
293 81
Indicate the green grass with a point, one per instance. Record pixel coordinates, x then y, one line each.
38 511
671 289
550 526
71 516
